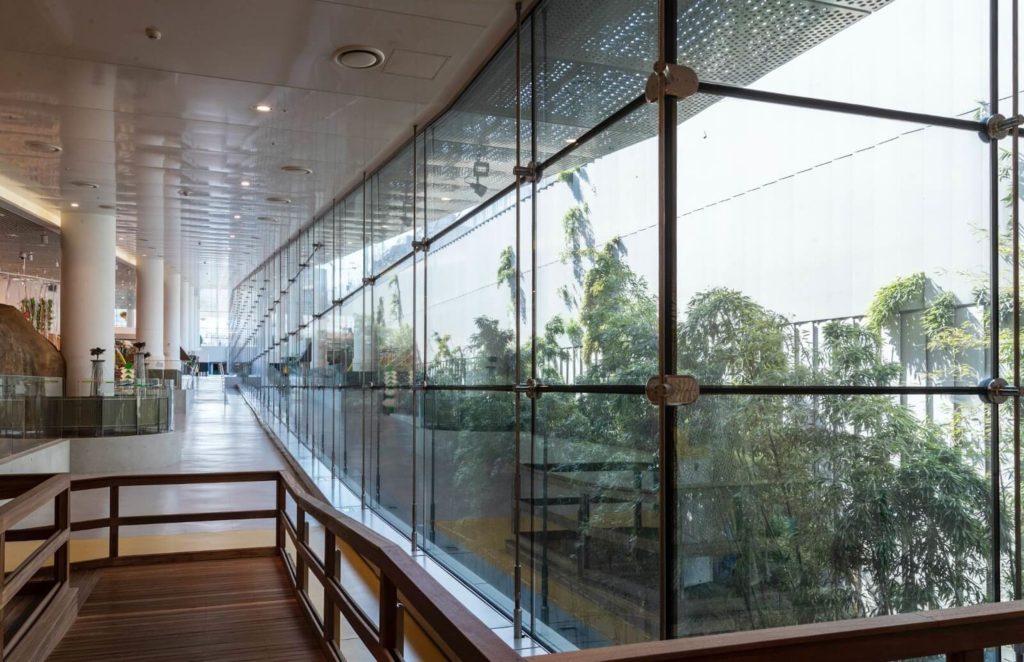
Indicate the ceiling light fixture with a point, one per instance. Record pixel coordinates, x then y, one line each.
231 236
446 199
279 199
237 216
83 184
262 108
106 207
302 170
41 146
265 218
246 182
358 57
74 205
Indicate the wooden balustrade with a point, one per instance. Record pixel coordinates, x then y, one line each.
960 634
404 587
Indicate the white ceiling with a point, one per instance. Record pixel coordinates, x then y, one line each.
146 119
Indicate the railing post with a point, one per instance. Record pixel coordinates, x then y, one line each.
62 522
302 576
332 616
3 573
115 514
281 514
389 613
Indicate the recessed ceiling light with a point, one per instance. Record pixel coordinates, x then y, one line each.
358 57
40 146
262 108
302 170
74 204
279 199
144 255
237 216
446 199
570 141
246 182
231 236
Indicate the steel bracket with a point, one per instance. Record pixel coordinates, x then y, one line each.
531 388
674 80
528 172
422 245
369 280
998 126
997 390
672 390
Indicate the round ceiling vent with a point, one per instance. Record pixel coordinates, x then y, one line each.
279 199
302 170
358 57
40 146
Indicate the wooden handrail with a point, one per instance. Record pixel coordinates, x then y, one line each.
961 633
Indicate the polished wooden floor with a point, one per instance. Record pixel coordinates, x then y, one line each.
240 609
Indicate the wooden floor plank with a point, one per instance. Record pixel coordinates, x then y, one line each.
241 609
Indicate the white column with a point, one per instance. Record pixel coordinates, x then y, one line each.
150 307
185 312
130 322
172 319
88 263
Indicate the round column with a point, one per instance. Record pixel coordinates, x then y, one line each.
88 265
149 307
172 320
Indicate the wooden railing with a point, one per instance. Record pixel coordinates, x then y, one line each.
404 587
961 635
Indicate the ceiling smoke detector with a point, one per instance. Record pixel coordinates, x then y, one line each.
41 146
358 57
302 170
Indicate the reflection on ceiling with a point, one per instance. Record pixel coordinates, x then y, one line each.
28 249
216 141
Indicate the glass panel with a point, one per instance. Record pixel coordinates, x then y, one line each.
814 508
392 327
852 219
597 257
592 521
921 55
468 473
592 59
470 300
391 231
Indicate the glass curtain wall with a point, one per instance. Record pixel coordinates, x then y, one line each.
821 235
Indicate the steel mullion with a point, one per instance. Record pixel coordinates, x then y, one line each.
995 503
1015 256
667 522
517 609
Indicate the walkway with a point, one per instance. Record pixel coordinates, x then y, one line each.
240 609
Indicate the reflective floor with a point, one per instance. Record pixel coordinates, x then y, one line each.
219 433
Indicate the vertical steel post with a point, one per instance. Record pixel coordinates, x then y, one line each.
667 12
517 610
1015 229
412 380
994 465
362 378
